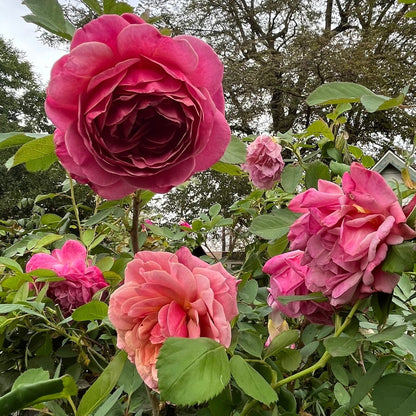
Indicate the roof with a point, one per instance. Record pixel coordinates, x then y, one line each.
388 160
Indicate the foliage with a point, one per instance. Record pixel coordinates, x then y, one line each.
70 365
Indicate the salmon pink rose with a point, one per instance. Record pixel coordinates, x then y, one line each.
287 278
345 234
264 162
135 109
81 282
170 295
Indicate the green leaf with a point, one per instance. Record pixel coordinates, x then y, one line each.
273 226
367 161
90 311
235 153
11 264
291 177
28 394
93 5
15 139
31 376
49 15
251 343
281 341
192 371
355 151
395 395
315 171
400 258
116 7
338 92
368 380
337 368
341 395
373 102
318 128
289 359
214 210
388 334
227 168
340 346
104 409
102 387
248 292
338 168
38 154
130 379
251 382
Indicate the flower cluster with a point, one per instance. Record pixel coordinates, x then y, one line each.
340 242
170 295
81 280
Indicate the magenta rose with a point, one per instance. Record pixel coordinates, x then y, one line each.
264 162
170 295
81 282
345 234
135 109
287 278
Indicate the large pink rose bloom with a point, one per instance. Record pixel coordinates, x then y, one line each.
81 282
136 109
264 162
287 278
345 234
170 295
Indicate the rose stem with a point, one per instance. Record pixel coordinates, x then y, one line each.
134 235
134 231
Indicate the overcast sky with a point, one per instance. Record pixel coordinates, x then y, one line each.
24 37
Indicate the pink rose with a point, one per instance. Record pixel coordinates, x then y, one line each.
136 109
81 279
345 234
183 223
264 162
287 278
170 295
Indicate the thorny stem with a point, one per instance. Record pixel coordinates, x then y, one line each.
134 231
321 363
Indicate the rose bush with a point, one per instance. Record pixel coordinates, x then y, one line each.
287 278
81 282
170 295
264 162
345 234
134 109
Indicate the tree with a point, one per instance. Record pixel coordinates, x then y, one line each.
21 102
276 52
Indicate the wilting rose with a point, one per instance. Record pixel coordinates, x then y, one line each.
345 234
264 162
287 278
81 282
136 109
170 295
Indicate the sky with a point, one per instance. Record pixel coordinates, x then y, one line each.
24 37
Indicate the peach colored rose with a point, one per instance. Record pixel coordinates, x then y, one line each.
264 162
345 234
287 278
136 109
170 295
81 282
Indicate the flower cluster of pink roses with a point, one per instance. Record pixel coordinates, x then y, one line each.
339 244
